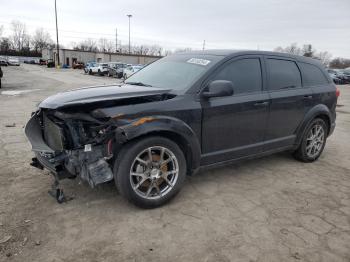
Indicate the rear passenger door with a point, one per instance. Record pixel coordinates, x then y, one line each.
289 101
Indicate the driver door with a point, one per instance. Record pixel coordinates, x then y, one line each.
234 126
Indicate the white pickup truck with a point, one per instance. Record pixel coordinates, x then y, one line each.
98 68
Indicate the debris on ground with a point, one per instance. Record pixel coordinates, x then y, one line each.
5 239
11 125
37 243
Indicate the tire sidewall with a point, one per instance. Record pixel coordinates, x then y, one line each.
304 140
126 158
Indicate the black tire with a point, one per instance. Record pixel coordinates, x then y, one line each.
90 72
301 153
125 162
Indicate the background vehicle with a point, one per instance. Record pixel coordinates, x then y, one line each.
42 61
116 69
335 77
130 70
78 65
13 61
182 113
87 66
50 63
3 62
98 68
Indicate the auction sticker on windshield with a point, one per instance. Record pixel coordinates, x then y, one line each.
198 61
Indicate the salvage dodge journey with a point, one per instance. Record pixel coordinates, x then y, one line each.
183 113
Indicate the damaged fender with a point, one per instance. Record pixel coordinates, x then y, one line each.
153 124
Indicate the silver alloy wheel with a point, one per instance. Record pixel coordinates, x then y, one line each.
154 172
315 140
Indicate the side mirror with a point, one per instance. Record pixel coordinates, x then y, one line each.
219 88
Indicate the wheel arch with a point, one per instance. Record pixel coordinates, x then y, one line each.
319 111
168 127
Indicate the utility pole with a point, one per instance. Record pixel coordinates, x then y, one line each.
203 44
129 32
57 45
116 40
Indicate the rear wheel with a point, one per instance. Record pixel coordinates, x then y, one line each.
313 142
90 72
150 172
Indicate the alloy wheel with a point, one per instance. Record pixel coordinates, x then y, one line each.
315 140
154 172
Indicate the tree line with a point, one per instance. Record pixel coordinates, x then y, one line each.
309 51
21 43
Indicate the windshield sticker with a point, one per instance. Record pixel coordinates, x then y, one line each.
198 61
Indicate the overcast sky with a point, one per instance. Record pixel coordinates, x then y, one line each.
237 24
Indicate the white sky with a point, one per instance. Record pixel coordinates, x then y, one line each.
236 24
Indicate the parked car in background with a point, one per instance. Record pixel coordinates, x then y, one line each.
3 62
50 63
1 74
130 70
342 75
13 62
99 68
346 73
78 65
87 66
182 113
42 62
116 69
333 74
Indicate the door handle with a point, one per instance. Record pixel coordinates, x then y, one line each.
308 97
263 103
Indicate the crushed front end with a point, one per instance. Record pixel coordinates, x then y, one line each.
71 145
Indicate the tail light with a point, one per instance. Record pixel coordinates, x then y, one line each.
337 92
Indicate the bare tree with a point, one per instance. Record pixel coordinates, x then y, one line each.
182 50
41 39
291 49
19 38
324 57
87 45
308 50
340 63
1 30
105 45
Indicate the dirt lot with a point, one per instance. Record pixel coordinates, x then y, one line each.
270 209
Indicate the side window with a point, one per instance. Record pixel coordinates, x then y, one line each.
283 74
245 75
312 75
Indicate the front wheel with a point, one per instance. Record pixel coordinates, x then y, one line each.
150 172
313 142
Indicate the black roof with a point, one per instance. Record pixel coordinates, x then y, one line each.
235 52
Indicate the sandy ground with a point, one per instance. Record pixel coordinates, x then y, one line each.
270 209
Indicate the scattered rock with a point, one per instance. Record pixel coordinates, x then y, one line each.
8 254
25 240
284 231
5 239
38 242
27 221
296 255
11 125
1 224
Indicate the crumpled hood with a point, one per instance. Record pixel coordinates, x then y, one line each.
93 94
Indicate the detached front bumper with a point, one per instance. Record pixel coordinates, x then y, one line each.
46 140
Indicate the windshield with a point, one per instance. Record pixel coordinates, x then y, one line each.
175 72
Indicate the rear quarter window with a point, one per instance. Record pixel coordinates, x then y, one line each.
283 74
312 75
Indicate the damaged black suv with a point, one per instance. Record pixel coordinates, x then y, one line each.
181 113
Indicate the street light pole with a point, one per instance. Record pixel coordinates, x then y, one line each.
57 45
129 32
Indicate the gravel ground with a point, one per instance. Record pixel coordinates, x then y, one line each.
269 209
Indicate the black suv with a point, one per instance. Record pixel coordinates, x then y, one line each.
181 113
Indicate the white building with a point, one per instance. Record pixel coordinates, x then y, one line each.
69 56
